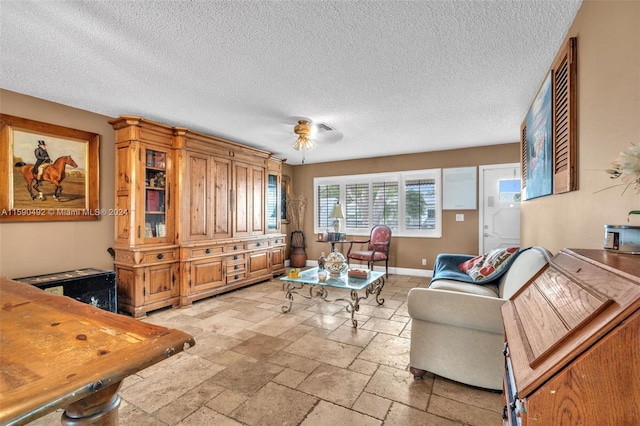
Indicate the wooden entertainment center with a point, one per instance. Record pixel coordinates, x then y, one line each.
198 215
573 342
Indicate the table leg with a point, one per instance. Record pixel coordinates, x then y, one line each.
99 408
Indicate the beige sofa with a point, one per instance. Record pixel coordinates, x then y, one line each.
456 327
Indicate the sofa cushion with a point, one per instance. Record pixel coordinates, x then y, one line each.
490 290
491 265
525 267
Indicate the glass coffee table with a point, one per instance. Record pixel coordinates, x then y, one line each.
372 284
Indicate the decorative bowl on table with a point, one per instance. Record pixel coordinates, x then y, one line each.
335 263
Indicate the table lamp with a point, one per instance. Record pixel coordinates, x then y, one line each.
337 213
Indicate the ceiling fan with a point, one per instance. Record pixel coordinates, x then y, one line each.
307 132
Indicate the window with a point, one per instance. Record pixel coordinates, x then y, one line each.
408 202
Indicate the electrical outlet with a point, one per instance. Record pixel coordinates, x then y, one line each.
460 218
424 262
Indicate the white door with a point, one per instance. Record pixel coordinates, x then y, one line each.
499 194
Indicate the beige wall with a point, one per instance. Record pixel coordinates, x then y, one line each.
608 34
46 247
457 237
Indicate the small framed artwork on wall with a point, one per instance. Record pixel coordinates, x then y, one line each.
49 172
539 143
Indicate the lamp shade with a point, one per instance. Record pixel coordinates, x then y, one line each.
337 211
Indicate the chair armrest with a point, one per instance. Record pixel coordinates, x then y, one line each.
352 242
457 309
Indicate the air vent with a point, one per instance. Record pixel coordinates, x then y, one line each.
323 127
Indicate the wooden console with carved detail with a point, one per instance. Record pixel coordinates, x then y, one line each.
573 342
203 215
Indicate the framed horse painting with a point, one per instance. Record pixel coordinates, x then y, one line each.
49 172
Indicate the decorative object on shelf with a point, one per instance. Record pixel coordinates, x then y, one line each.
322 275
321 261
627 166
337 213
358 273
622 239
335 263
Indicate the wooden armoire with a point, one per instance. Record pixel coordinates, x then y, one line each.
203 215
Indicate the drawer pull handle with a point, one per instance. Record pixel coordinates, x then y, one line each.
259 244
160 256
207 251
235 257
235 247
235 266
235 277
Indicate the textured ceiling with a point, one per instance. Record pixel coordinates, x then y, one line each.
391 77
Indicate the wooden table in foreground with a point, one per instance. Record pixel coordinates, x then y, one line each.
56 352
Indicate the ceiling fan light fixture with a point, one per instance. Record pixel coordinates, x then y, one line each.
303 129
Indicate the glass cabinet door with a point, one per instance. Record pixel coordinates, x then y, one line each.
155 215
273 201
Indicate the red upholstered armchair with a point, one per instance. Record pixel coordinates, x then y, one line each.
377 248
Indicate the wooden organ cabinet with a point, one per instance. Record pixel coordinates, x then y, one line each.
203 215
573 343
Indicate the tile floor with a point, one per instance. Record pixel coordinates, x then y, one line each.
253 365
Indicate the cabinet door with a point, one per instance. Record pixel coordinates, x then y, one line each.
221 174
277 259
198 187
160 282
258 263
206 274
156 225
242 197
257 205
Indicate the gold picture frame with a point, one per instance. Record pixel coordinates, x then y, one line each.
73 162
285 191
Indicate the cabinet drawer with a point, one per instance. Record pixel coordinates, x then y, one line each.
236 276
205 251
257 244
236 268
159 256
234 247
277 241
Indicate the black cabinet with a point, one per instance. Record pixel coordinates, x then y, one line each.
96 287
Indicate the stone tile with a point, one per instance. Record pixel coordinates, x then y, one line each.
255 314
169 383
372 405
261 346
335 384
227 358
132 415
212 345
377 311
463 413
189 402
384 326
352 336
205 416
327 322
387 350
326 413
325 308
51 419
296 332
400 414
247 375
364 367
295 362
324 350
274 404
400 386
224 323
477 397
277 325
227 401
290 378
